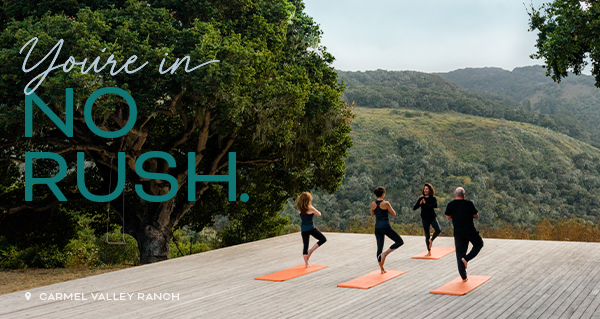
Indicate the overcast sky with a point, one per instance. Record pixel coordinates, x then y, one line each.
426 35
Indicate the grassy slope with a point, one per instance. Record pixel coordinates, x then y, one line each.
462 136
427 92
516 173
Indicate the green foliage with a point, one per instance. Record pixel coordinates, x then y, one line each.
84 249
247 228
31 232
427 92
109 255
186 241
273 98
574 99
36 256
567 36
565 229
516 173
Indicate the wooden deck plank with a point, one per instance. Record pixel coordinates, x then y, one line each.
537 282
537 296
504 269
530 278
484 264
511 279
410 285
587 299
573 289
593 310
431 277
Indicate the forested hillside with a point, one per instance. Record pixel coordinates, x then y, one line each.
516 173
417 90
528 88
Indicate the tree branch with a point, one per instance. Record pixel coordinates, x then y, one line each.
258 162
73 197
176 215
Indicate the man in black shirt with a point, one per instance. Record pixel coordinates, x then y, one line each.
462 212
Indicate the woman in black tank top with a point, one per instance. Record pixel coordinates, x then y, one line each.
307 212
380 209
427 203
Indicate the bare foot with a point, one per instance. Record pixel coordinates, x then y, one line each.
428 254
430 244
465 263
466 279
306 260
382 257
381 266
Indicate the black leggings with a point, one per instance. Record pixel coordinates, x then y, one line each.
436 230
316 234
462 245
380 234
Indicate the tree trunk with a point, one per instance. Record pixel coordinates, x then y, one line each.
152 227
152 230
153 244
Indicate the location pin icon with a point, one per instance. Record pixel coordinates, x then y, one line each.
27 295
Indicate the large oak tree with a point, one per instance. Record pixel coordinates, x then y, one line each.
273 98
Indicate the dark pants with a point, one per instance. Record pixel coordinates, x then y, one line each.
436 230
462 245
380 234
316 234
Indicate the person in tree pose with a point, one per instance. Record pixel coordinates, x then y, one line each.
380 209
462 212
307 212
427 202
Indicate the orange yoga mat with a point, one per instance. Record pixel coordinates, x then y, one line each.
436 253
458 288
371 279
291 273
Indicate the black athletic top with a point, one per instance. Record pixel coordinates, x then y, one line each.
307 222
462 212
427 211
381 216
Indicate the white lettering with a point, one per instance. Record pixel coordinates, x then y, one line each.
71 62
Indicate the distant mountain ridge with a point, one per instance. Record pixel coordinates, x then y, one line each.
428 92
519 84
528 88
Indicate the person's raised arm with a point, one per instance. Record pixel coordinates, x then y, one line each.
313 210
418 204
373 206
433 203
390 209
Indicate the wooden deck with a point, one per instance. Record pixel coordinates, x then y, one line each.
531 279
